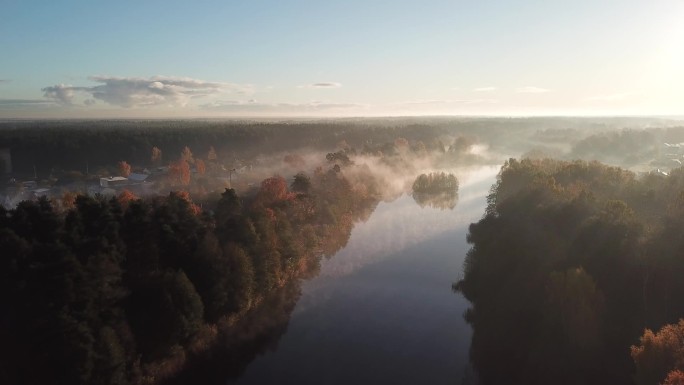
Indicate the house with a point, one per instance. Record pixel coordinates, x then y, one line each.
135 178
40 192
30 184
114 181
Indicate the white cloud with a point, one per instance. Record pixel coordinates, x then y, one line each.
531 90
322 85
485 89
60 93
610 97
142 92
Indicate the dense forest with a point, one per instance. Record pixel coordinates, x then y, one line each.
571 262
124 290
79 145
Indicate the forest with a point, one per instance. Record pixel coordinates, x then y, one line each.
79 145
573 274
572 267
119 291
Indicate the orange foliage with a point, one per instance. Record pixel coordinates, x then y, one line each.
184 195
200 166
156 155
186 155
124 169
273 189
675 377
68 200
659 354
125 197
179 172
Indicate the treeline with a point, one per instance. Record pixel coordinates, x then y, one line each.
70 145
570 263
73 144
123 291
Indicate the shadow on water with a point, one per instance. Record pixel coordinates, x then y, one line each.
256 333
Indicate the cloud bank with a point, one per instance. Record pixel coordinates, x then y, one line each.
130 92
485 89
14 103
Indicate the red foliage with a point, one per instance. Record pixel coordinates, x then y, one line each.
179 172
184 195
675 377
124 169
201 166
125 197
68 200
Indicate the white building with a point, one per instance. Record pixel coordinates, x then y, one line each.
113 181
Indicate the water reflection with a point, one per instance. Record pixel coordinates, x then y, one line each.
402 223
380 311
441 201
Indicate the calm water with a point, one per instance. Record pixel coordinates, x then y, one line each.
382 310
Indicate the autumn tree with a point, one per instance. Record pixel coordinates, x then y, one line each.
68 200
211 156
675 377
659 354
272 190
125 197
186 155
179 172
156 156
200 166
124 169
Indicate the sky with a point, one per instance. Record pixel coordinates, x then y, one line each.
273 58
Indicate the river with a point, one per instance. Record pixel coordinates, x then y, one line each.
382 310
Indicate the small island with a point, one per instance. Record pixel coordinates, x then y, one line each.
434 183
436 189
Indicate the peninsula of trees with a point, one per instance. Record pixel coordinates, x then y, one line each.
115 291
570 264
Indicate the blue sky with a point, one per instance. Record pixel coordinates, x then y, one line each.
343 58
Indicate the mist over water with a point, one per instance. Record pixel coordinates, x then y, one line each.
381 310
400 224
